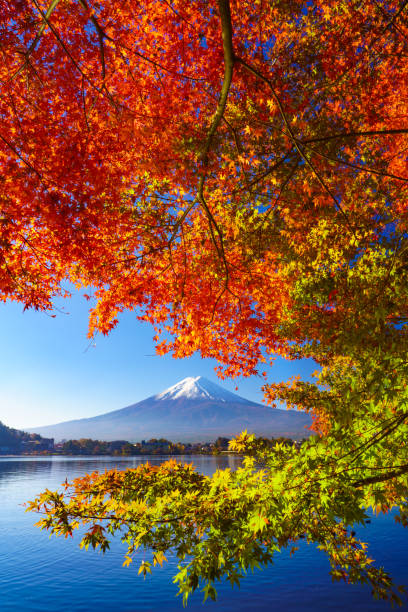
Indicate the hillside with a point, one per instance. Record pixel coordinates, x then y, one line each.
17 441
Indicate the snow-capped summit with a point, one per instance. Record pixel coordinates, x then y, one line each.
198 388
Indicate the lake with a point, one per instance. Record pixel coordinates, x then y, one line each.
52 575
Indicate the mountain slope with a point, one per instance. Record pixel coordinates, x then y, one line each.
194 409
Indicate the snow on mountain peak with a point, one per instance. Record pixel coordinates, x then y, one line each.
188 388
198 388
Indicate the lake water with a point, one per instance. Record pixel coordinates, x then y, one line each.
53 575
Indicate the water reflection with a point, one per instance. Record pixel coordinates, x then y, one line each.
24 466
38 574
23 478
11 468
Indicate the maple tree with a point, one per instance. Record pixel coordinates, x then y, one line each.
236 173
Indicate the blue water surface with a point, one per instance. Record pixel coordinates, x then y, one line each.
52 575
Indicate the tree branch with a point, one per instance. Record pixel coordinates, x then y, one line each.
295 141
101 36
353 134
229 57
381 477
226 30
343 162
36 40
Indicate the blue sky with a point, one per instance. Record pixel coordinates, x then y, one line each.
49 373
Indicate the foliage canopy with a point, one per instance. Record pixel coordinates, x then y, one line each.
236 173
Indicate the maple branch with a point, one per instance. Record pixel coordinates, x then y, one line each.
101 36
381 477
36 40
148 59
178 14
277 198
265 173
229 58
390 425
343 162
240 151
226 29
113 517
100 90
84 105
181 220
391 22
20 157
66 50
212 222
214 309
185 265
295 141
353 134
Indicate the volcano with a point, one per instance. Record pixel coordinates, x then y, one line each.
193 410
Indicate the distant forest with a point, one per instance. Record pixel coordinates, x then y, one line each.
14 441
153 446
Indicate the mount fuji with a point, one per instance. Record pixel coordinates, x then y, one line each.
193 410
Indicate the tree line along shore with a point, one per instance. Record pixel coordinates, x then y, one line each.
17 442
